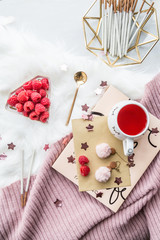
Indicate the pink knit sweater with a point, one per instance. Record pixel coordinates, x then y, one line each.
57 210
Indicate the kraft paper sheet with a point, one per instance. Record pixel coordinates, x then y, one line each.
100 134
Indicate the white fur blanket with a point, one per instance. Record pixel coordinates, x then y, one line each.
22 57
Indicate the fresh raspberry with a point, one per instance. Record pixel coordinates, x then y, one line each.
84 170
33 116
26 114
45 83
36 97
28 106
44 116
19 90
29 92
39 108
36 84
42 92
23 97
12 100
45 102
19 107
83 160
27 85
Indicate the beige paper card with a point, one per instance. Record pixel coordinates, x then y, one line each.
146 149
100 134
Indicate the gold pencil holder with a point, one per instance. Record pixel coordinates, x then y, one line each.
147 37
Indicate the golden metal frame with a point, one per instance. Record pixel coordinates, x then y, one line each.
108 59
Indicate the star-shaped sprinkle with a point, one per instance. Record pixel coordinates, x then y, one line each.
85 107
90 128
84 146
130 158
64 67
58 203
155 130
103 83
71 159
87 117
98 91
3 156
118 180
46 147
84 117
90 117
99 195
131 164
11 146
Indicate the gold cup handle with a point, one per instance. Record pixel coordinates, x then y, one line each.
70 112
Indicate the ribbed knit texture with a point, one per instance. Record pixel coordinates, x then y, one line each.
81 216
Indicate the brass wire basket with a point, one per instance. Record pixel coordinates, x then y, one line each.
147 37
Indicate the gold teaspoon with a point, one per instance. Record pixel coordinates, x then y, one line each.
80 78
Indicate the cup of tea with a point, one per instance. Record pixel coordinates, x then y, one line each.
128 120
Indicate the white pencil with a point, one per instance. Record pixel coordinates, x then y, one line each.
110 23
22 175
136 17
103 27
123 27
114 30
120 23
129 26
141 23
118 45
29 176
106 28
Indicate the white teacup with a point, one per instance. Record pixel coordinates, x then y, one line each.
128 120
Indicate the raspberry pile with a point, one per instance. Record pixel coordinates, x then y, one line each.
31 99
84 170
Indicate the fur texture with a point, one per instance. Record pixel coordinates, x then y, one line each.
103 150
22 57
103 174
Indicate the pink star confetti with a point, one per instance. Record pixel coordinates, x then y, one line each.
84 146
11 146
58 203
64 67
71 159
131 164
98 91
118 180
130 158
85 107
87 117
3 156
99 195
103 83
155 130
90 128
131 161
46 147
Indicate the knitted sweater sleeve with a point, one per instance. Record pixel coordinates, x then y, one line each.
152 214
151 100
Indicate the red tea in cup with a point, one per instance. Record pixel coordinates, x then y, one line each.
132 119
